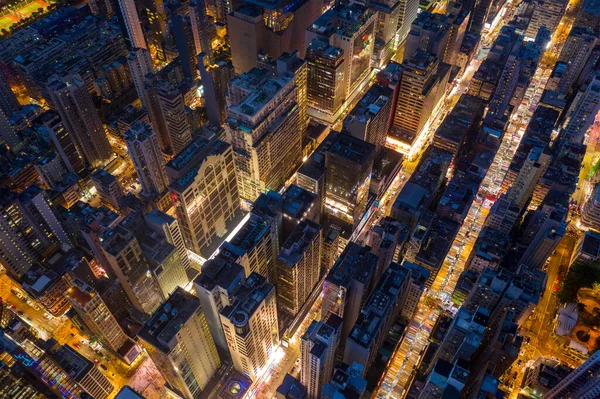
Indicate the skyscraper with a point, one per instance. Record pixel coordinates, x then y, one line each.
582 383
178 340
216 287
429 32
202 29
408 12
132 23
263 125
299 267
177 125
318 346
204 170
77 111
149 163
8 133
251 327
108 188
182 28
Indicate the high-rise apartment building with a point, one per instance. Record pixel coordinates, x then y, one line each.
131 19
583 111
177 126
545 13
318 347
350 28
257 29
575 53
182 29
140 65
205 193
41 215
108 188
346 193
409 10
326 79
216 287
348 285
127 262
263 125
423 84
102 7
299 267
251 326
77 111
179 342
90 306
63 142
149 163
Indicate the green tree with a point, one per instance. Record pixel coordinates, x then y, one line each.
581 275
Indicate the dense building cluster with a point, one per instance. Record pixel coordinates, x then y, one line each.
299 199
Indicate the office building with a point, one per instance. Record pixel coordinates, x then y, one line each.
90 306
299 267
140 65
124 256
8 133
132 23
318 347
369 120
50 169
216 287
350 28
177 126
290 388
167 227
346 194
257 29
587 248
388 12
165 264
429 32
409 10
377 315
108 188
78 113
215 77
348 285
530 174
182 29
551 230
148 161
179 342
545 13
583 382
204 169
70 369
326 79
255 247
297 204
263 125
202 29
346 383
583 112
251 327
422 86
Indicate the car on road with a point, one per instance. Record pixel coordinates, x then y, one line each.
76 346
103 367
